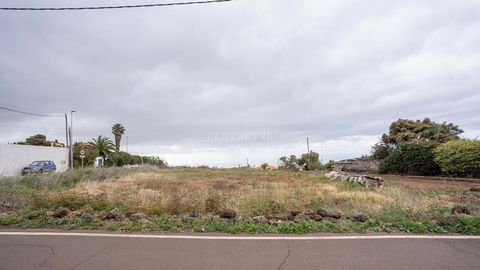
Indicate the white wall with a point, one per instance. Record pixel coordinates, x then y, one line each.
13 157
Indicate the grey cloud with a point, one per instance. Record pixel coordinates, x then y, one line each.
172 76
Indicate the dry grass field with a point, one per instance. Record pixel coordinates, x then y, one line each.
192 199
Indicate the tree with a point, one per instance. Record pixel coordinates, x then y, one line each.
120 159
380 151
156 161
103 145
40 140
90 154
459 158
118 130
404 131
411 158
310 162
408 146
306 161
264 166
289 163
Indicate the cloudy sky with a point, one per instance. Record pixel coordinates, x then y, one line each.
219 83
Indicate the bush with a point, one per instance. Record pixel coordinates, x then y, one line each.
71 200
214 203
461 157
394 163
412 158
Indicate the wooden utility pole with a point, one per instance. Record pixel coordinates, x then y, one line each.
309 155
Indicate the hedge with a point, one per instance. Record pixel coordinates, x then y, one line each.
459 158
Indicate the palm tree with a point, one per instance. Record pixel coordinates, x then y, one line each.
118 131
103 145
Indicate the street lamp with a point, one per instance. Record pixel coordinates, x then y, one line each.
71 137
66 131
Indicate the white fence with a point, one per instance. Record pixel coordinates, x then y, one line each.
13 157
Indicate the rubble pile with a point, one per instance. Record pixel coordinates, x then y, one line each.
364 180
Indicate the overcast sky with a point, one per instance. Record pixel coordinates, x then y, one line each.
219 83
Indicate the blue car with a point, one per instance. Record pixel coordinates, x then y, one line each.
41 166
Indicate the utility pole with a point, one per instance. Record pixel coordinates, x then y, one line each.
309 155
70 161
71 137
248 165
126 138
66 131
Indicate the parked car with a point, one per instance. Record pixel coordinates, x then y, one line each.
41 166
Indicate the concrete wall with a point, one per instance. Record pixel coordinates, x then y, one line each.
357 165
13 157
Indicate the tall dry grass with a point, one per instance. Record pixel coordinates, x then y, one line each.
251 193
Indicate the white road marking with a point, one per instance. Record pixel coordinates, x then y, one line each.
209 237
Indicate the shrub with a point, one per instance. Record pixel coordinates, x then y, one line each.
461 157
412 158
394 163
71 200
214 203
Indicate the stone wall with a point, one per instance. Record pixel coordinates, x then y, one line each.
357 165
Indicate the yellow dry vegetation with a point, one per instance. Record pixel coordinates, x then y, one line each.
180 191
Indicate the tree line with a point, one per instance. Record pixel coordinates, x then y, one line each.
110 151
100 146
307 161
40 140
424 147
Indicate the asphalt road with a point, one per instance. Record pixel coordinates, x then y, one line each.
85 252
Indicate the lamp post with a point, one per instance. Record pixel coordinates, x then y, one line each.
66 131
71 137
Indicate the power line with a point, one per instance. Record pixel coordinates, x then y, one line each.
112 7
30 113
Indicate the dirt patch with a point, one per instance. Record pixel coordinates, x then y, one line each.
430 183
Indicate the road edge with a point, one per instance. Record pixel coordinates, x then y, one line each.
240 237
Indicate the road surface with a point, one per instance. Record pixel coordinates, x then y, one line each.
92 251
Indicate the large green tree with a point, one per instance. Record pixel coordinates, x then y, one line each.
426 130
103 145
118 130
408 147
405 131
416 158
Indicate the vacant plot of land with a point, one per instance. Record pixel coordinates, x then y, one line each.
232 201
431 183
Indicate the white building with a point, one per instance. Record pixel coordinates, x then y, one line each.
14 157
